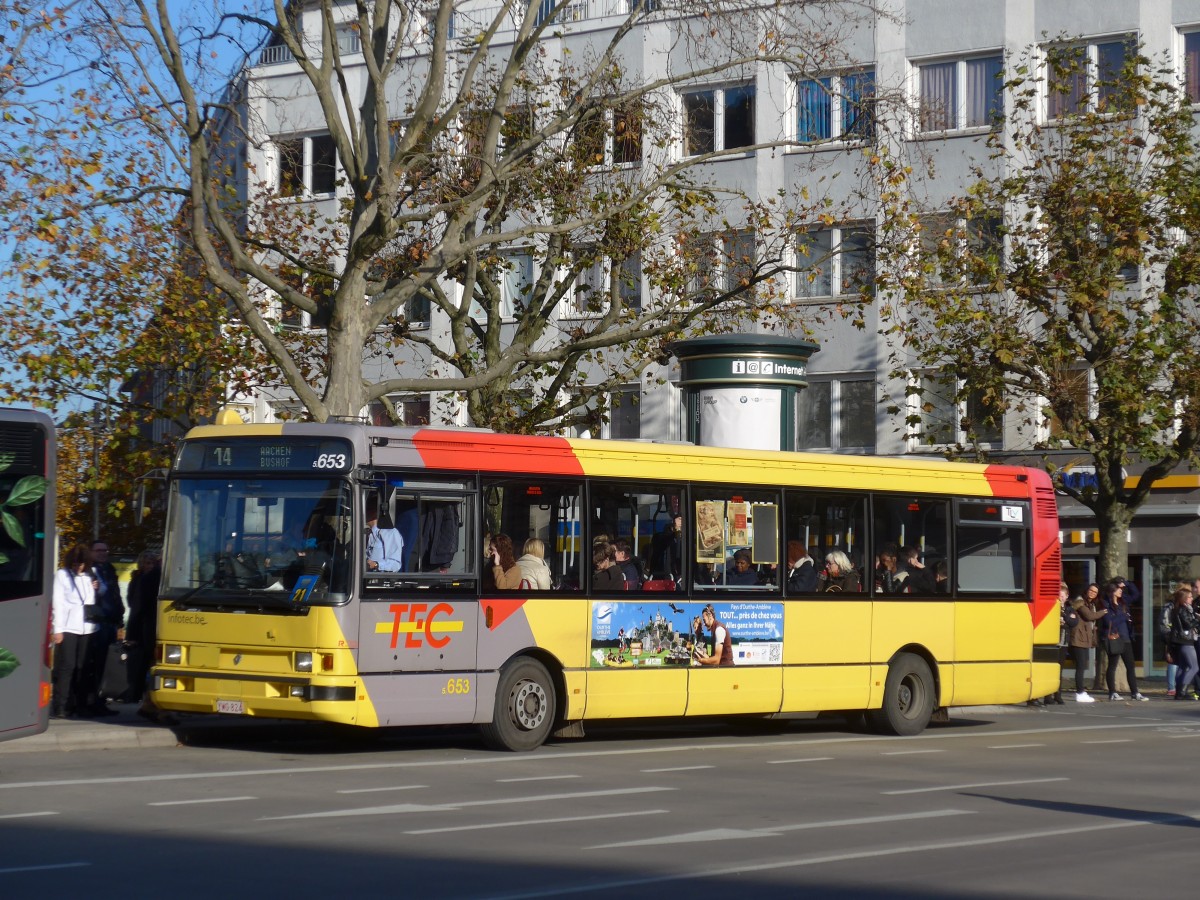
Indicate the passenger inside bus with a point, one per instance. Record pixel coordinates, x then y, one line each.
385 546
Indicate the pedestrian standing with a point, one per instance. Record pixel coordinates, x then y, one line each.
1116 630
1183 644
72 599
110 627
1082 640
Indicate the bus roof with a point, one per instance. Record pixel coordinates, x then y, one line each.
447 449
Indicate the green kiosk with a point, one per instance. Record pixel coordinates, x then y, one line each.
740 389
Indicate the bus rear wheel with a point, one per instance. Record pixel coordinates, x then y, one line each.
908 698
525 705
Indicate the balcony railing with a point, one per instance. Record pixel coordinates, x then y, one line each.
348 43
475 19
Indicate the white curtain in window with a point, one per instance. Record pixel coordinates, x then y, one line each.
939 97
815 264
518 277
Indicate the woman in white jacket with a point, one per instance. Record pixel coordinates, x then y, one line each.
73 595
532 564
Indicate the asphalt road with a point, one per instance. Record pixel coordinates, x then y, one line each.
1071 801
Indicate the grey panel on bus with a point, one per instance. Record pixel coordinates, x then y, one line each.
445 698
417 633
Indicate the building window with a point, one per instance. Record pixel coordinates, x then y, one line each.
306 165
626 146
418 310
1191 65
739 253
413 410
514 280
629 281
836 107
836 414
589 294
1074 386
611 137
835 261
957 251
624 419
700 258
944 419
318 287
1087 77
963 93
718 119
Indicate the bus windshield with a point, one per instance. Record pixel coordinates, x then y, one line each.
257 542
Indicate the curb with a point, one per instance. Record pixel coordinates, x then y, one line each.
122 731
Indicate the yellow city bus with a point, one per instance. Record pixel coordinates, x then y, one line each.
27 465
268 607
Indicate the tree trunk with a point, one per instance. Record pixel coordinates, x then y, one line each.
344 392
1113 519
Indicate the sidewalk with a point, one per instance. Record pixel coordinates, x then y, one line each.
126 730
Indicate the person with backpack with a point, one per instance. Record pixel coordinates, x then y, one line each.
1182 640
1166 618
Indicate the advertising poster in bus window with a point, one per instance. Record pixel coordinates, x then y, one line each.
641 635
710 531
738 515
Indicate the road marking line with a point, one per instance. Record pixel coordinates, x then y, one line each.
450 807
374 790
724 834
909 752
1014 746
534 778
28 815
522 824
980 784
1113 741
675 769
741 869
46 868
204 800
492 759
782 762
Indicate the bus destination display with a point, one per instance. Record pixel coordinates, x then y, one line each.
266 455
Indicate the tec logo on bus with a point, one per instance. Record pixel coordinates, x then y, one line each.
419 622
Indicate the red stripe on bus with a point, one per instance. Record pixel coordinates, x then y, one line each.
1035 486
497 453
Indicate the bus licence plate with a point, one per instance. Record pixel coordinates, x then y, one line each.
236 707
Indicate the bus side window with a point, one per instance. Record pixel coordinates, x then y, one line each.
992 546
910 535
821 522
736 540
540 515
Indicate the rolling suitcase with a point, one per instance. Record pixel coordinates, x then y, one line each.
119 666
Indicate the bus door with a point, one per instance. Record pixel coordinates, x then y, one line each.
827 638
419 619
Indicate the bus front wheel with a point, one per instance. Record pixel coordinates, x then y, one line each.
525 706
908 698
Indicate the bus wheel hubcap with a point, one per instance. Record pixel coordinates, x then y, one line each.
529 703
